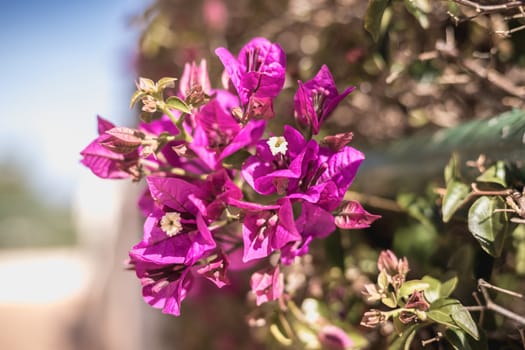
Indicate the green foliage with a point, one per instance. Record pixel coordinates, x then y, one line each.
374 15
495 174
175 102
488 225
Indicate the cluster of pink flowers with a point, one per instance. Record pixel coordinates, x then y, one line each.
217 183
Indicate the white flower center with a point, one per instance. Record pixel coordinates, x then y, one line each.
277 145
170 223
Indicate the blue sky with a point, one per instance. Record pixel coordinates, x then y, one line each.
61 64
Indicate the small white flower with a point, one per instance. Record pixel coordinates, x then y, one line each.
170 223
277 145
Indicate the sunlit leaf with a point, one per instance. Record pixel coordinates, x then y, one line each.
137 95
448 287
433 292
494 174
411 286
487 226
440 312
166 82
374 14
419 9
390 300
175 102
464 320
452 171
454 198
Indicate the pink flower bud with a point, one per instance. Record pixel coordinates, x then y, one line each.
334 338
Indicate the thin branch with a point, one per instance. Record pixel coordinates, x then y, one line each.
491 305
491 8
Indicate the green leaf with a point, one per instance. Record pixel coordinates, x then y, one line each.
452 169
166 82
419 9
414 161
374 14
451 313
437 289
409 339
137 95
382 280
454 198
390 300
146 85
457 339
488 227
464 320
178 104
448 287
495 174
441 310
411 286
433 292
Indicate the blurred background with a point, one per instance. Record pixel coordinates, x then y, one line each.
62 63
64 233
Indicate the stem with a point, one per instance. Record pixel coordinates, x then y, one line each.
491 305
490 8
374 201
177 122
478 192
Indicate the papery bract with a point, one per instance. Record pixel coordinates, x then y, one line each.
192 241
316 99
314 222
215 270
163 286
259 69
305 170
266 228
353 216
106 163
194 78
267 285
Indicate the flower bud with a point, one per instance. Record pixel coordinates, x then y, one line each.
373 318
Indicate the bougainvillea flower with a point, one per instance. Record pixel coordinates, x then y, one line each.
194 80
259 108
219 189
163 286
218 135
352 215
107 163
313 222
266 228
267 285
259 69
177 232
389 263
316 99
215 270
289 165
